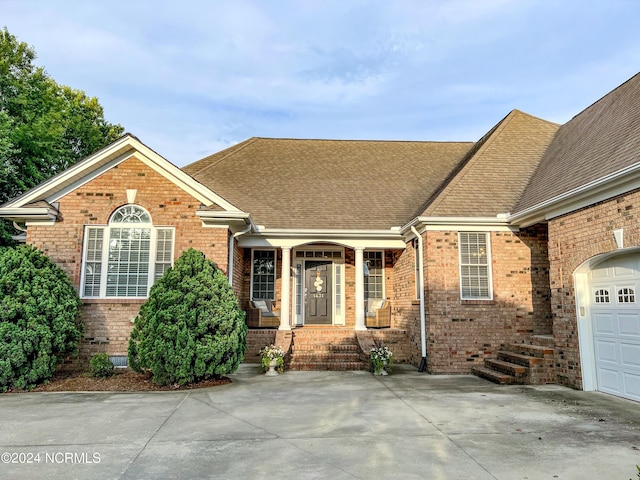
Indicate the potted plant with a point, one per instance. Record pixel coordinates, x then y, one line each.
272 360
381 359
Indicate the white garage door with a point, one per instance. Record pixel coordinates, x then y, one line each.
615 316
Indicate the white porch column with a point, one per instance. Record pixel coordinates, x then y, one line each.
360 289
285 304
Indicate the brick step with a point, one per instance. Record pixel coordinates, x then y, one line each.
330 366
316 356
519 359
542 340
531 350
313 347
492 375
507 368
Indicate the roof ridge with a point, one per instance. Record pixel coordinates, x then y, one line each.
370 140
602 97
470 159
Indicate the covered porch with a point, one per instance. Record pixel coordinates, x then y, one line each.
319 285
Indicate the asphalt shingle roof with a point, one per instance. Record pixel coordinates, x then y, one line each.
497 170
602 139
329 184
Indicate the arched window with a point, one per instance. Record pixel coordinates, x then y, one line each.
124 258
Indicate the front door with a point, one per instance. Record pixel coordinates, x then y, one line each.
317 282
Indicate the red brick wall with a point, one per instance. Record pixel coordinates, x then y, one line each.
573 239
405 306
107 323
460 334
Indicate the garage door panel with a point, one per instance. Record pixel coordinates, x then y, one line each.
629 324
606 351
604 323
630 355
609 380
632 385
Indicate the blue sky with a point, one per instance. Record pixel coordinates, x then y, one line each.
192 77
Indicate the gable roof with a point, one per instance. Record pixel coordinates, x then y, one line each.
37 202
599 142
329 184
496 171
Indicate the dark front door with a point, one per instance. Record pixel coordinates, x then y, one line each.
317 281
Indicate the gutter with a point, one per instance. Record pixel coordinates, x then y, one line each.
423 334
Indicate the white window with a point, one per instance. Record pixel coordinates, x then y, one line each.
263 274
475 266
374 275
125 258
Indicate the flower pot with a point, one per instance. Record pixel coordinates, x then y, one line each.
272 368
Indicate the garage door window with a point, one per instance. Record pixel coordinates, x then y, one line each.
626 295
602 296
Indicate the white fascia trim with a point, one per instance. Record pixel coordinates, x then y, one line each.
328 233
276 237
28 214
599 190
173 173
45 188
424 224
111 155
235 221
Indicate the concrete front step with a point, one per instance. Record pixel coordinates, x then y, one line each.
507 368
492 375
519 359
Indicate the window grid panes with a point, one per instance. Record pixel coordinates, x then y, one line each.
298 289
373 283
164 251
128 267
626 295
474 266
264 274
338 269
93 262
124 258
602 296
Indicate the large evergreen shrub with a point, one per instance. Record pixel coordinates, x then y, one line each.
39 317
191 327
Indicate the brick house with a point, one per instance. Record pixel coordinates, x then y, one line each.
516 257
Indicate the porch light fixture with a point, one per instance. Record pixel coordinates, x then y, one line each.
365 267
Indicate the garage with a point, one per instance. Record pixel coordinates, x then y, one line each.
614 311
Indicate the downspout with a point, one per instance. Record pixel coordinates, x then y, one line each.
423 336
230 263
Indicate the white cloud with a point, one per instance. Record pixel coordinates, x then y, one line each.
192 76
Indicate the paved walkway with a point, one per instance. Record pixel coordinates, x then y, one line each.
323 425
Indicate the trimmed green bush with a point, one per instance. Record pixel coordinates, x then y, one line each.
191 327
39 317
101 366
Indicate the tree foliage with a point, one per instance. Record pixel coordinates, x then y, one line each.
39 317
191 327
44 127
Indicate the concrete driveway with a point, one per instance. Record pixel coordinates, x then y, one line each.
308 425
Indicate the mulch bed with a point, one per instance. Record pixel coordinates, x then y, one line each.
120 381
